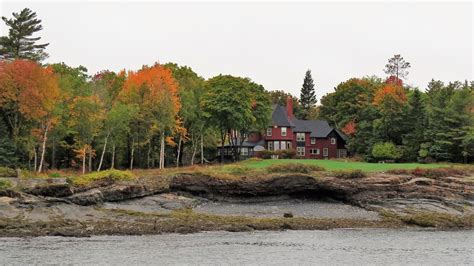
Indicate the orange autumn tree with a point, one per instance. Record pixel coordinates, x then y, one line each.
29 94
155 91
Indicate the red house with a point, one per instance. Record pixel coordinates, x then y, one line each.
312 139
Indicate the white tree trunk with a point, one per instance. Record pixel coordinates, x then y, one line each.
43 148
162 151
179 150
103 152
202 149
131 156
84 161
112 164
36 158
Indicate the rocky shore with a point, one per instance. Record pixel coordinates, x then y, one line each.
194 202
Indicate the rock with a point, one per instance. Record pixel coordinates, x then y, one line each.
51 190
90 197
288 215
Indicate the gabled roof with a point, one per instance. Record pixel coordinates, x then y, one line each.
317 128
280 118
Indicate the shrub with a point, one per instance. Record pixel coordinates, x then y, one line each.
294 168
352 174
7 172
287 154
108 175
4 184
385 151
282 154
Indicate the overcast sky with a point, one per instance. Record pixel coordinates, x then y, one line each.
272 43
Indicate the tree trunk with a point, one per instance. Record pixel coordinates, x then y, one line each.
84 161
202 149
179 150
90 159
36 158
103 152
162 151
131 155
112 164
148 155
53 154
222 145
194 146
43 148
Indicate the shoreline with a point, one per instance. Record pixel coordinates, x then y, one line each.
190 203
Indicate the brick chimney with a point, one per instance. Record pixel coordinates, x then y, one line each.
289 107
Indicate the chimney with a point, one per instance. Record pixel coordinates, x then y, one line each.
289 107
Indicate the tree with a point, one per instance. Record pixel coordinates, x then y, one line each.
8 156
20 43
308 95
191 91
385 151
391 100
415 123
235 106
397 66
155 91
86 118
28 98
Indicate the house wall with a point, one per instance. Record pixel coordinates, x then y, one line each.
276 134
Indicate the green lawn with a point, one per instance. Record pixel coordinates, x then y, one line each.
340 165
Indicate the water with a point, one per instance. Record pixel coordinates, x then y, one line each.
368 246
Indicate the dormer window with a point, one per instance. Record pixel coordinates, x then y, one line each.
333 140
269 131
283 131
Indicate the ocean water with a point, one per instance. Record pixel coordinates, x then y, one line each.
332 247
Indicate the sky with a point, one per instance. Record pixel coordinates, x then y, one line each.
273 43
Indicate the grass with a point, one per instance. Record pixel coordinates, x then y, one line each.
335 165
108 175
5 184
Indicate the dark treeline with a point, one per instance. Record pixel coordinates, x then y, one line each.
56 116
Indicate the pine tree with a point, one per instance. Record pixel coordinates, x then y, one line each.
397 66
308 95
19 44
416 123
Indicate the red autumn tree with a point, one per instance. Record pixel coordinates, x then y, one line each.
28 95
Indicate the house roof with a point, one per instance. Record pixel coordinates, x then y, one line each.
317 128
248 143
280 118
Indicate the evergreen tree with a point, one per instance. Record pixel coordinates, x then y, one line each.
415 126
19 44
308 95
397 66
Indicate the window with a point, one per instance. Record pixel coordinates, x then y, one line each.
269 131
333 140
283 131
270 145
313 141
314 151
325 152
276 145
283 145
299 136
288 145
244 151
300 151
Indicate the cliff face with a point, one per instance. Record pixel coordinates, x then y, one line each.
146 205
